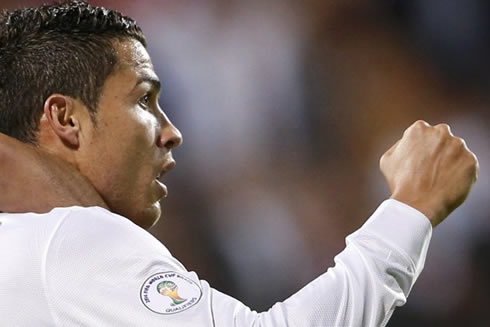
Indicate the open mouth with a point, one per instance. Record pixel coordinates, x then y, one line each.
163 192
169 165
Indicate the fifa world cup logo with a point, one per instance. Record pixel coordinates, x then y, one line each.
170 289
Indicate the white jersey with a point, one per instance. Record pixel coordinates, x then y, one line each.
89 267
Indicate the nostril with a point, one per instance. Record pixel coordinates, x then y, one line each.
170 144
170 137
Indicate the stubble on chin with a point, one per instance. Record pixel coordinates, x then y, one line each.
149 216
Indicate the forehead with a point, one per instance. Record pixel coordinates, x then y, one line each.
133 65
131 54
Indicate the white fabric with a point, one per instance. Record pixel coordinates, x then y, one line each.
87 267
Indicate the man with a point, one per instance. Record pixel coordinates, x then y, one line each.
76 82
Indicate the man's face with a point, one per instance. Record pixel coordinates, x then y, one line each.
131 145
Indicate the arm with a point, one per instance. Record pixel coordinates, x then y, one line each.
108 283
32 180
428 168
372 276
430 173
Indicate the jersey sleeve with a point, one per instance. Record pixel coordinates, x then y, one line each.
96 264
102 270
371 277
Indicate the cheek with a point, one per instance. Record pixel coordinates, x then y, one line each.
134 134
128 152
142 128
138 151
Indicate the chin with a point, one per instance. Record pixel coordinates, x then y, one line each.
149 217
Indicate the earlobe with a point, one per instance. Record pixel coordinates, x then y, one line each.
59 110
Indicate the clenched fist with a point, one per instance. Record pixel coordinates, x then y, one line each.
430 169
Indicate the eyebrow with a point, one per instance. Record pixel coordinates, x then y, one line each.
154 81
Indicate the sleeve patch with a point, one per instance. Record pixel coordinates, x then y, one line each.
169 293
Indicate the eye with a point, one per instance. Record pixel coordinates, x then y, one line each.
145 101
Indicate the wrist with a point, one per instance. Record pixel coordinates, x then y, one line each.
423 205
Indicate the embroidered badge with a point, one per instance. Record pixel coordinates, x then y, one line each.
169 292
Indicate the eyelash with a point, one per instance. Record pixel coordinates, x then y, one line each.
145 100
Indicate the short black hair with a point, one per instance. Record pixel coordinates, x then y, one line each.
65 48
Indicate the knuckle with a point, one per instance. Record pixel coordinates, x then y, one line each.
472 169
420 124
444 128
473 159
382 161
477 167
472 162
460 143
416 127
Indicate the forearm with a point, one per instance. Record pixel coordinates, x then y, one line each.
372 276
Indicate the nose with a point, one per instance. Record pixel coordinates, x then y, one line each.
170 137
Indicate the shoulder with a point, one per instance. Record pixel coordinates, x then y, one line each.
94 233
98 264
98 222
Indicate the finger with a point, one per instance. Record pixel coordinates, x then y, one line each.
416 127
477 167
393 147
421 123
444 128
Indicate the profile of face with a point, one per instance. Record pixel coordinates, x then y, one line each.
131 146
128 149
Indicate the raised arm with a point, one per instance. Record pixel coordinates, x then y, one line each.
372 276
428 169
430 173
32 180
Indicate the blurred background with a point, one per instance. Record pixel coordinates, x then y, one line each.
286 107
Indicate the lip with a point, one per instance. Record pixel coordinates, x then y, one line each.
166 167
163 192
169 165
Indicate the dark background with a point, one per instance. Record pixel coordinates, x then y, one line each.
286 107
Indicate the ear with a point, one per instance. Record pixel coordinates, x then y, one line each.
59 110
